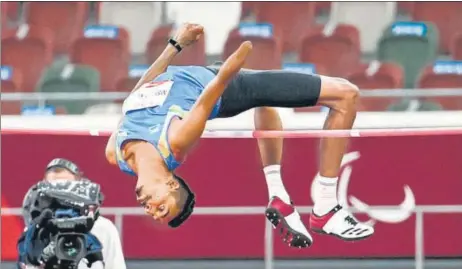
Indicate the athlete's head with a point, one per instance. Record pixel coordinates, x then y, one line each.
168 201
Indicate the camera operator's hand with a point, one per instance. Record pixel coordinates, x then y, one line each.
36 239
23 266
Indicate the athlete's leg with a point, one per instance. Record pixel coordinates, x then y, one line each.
267 118
341 97
280 212
328 216
288 89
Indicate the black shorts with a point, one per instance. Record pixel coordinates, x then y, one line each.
273 88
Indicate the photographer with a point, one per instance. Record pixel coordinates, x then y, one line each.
63 184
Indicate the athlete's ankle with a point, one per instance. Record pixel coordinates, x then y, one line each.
325 194
274 181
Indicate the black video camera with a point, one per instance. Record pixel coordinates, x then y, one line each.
63 214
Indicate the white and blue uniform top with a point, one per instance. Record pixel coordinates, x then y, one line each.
149 110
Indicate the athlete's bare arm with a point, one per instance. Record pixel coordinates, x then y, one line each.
186 133
186 35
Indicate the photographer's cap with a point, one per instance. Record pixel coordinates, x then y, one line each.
63 163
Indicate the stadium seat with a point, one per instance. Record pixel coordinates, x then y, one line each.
289 20
4 19
106 48
248 9
10 10
266 53
370 18
405 6
10 107
29 50
336 49
411 45
218 18
323 7
93 12
447 17
440 76
194 55
126 84
456 46
11 79
138 18
65 19
135 72
70 78
377 75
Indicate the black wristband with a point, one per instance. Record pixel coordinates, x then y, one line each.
175 44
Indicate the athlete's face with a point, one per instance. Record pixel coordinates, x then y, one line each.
161 200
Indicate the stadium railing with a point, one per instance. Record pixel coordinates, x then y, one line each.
43 96
419 211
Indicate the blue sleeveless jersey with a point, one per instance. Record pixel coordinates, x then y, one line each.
151 123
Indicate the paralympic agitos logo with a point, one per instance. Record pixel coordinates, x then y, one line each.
389 214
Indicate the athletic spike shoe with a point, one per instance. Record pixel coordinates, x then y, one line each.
287 221
340 223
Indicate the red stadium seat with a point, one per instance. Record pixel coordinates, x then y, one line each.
289 20
385 76
247 8
406 6
30 53
195 55
266 53
65 19
456 46
447 16
431 80
323 7
10 108
13 84
95 8
109 56
126 84
338 53
4 14
10 10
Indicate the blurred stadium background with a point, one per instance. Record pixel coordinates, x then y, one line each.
68 65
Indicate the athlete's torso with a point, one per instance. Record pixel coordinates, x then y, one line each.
149 111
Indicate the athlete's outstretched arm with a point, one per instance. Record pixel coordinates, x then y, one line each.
186 35
192 126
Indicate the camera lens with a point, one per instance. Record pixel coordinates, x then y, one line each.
70 246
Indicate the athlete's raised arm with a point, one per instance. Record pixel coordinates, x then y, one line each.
190 129
185 36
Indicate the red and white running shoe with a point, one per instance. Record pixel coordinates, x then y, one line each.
340 223
286 219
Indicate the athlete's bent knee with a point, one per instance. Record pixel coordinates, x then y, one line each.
338 94
350 92
345 93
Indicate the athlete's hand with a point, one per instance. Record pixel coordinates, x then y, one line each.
234 63
188 33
